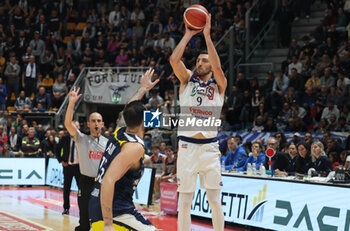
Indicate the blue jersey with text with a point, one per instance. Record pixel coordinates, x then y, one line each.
124 188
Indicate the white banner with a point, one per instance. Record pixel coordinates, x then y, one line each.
54 175
142 194
280 205
111 88
22 171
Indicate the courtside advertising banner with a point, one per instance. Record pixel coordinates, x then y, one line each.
55 177
22 171
280 205
111 88
144 189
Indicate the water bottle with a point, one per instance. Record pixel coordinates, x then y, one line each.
249 169
262 170
223 166
254 169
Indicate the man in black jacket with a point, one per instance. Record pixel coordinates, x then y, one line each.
67 155
279 160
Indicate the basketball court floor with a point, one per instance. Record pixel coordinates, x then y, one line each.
39 208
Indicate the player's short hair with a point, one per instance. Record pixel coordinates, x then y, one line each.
133 113
204 51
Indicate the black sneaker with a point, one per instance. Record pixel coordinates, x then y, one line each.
65 212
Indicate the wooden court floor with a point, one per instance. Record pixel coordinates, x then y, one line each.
40 208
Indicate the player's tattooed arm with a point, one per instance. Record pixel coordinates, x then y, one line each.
107 214
145 85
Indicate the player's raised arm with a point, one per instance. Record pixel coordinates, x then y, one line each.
130 155
146 84
179 68
214 59
68 121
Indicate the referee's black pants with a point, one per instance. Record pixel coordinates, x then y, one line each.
85 189
68 173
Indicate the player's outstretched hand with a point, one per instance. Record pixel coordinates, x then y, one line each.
192 32
74 96
206 31
146 80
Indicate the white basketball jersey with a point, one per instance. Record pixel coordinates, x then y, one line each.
200 101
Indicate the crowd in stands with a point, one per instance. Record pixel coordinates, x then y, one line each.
311 91
44 44
292 158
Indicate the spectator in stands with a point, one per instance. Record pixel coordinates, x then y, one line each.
87 57
155 100
37 45
46 63
308 49
48 147
12 138
296 81
90 29
329 19
122 60
330 109
308 138
342 81
295 64
342 126
257 99
30 145
74 46
258 124
114 17
270 125
342 18
70 81
23 103
12 73
154 27
242 83
39 132
30 76
320 66
136 15
292 159
3 136
333 146
319 159
42 101
303 160
327 79
313 81
279 88
279 160
3 94
293 50
256 157
236 157
59 91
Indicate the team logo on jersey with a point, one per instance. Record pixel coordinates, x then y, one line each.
151 118
203 90
184 146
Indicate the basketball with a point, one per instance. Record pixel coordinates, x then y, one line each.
195 17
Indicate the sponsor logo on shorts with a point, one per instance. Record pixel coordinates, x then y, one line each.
184 146
221 184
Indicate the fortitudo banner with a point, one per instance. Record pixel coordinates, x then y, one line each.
111 88
279 205
55 175
22 171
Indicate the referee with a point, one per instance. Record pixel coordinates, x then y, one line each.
90 149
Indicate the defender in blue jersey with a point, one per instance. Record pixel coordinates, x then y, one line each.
111 206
